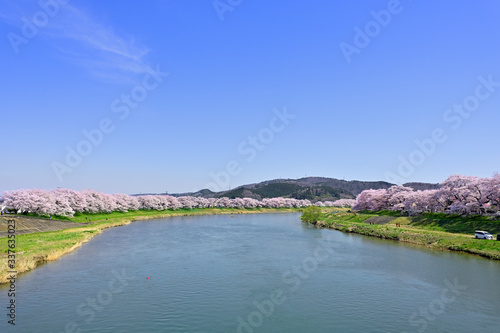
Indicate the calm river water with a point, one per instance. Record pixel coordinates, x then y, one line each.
254 273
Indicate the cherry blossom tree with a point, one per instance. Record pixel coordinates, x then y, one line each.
396 196
187 202
304 203
373 200
420 202
223 202
150 202
492 193
125 203
344 203
97 202
458 194
201 202
39 202
74 198
251 203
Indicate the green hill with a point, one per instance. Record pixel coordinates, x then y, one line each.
287 190
310 188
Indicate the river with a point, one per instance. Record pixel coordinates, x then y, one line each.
254 273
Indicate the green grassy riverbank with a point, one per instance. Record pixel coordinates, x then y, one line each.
436 231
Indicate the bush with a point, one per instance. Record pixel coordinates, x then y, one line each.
311 214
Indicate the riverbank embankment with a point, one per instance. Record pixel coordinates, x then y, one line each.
436 231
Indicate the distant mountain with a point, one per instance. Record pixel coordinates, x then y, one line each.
287 190
311 188
422 186
205 193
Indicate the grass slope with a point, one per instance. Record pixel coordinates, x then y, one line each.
437 231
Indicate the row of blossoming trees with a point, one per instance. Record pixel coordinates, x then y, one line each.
458 194
66 202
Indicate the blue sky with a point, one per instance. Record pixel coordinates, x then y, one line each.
255 90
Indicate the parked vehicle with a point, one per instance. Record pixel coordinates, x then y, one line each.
483 235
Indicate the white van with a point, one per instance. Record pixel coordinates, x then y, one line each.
483 235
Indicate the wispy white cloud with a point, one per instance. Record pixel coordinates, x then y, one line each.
87 42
